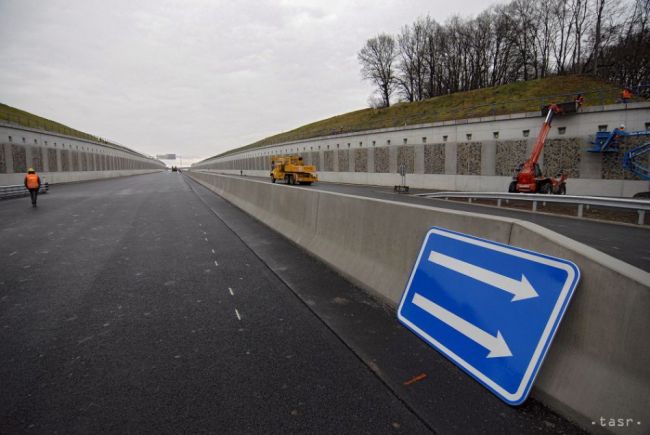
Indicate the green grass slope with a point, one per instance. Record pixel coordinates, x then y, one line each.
26 119
499 100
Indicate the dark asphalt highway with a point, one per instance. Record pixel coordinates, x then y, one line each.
628 243
149 304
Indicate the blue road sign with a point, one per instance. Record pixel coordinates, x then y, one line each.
491 308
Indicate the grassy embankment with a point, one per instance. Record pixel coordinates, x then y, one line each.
499 100
26 119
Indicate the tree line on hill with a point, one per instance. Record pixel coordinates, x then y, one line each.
518 41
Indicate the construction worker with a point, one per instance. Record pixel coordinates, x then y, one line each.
580 100
32 183
626 94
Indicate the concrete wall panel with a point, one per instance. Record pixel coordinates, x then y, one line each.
37 159
434 158
381 160
3 159
509 154
19 158
406 155
599 363
485 147
328 161
468 158
344 160
361 160
562 154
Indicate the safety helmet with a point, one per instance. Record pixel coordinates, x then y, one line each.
31 171
621 127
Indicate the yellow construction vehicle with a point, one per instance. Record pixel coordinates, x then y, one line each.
292 170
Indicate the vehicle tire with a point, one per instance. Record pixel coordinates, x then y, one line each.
562 189
513 187
545 188
290 180
272 179
307 183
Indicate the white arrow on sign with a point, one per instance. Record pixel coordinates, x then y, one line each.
496 345
520 289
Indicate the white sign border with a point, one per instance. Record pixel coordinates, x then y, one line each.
573 276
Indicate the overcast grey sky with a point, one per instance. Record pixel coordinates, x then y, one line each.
194 77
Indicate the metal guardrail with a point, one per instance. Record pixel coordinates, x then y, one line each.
638 205
19 190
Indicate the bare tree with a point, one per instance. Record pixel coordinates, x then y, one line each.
433 50
544 19
521 40
412 67
522 12
503 29
599 6
579 12
377 59
564 33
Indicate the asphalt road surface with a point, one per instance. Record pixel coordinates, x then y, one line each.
628 243
149 304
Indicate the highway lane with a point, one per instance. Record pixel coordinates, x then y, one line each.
149 304
126 306
625 242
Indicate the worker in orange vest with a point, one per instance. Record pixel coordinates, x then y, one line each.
32 183
626 94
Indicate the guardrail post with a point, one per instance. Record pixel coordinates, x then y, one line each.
580 207
534 206
641 217
469 200
498 202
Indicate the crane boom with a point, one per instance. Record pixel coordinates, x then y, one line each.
528 177
543 133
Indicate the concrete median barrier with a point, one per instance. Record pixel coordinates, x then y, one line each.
599 365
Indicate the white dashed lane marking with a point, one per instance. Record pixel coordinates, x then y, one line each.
231 293
237 312
215 263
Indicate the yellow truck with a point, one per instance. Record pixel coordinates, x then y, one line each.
292 170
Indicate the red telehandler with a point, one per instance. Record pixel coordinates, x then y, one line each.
528 176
